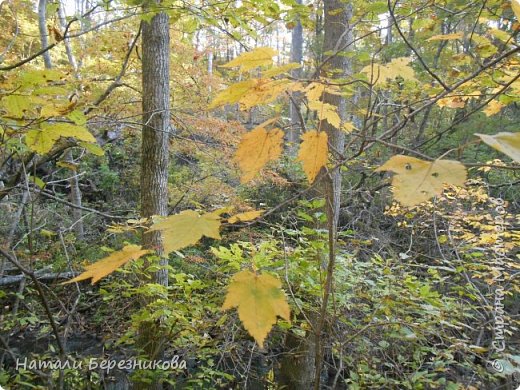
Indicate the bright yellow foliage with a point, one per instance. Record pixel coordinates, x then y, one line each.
186 228
41 141
15 105
109 264
252 92
451 102
483 46
256 149
398 67
232 94
505 142
259 57
493 108
259 299
416 180
326 112
244 217
264 91
446 37
313 153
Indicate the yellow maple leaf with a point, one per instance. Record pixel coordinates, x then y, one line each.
41 141
244 217
505 142
446 37
109 264
493 108
259 57
256 149
326 112
313 153
398 67
186 228
417 181
259 300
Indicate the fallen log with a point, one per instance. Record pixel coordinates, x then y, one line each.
13 279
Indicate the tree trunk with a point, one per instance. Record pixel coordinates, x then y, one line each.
156 126
154 158
68 47
42 25
338 39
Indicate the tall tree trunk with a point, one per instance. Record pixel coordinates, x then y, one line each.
154 157
156 126
68 47
338 39
293 133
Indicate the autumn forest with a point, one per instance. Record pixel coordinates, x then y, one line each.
267 194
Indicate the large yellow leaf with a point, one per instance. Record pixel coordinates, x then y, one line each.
313 153
417 180
507 143
259 57
41 141
186 228
398 67
256 149
445 37
109 264
259 299
244 217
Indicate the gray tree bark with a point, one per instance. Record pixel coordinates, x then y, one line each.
42 25
156 126
154 158
338 38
